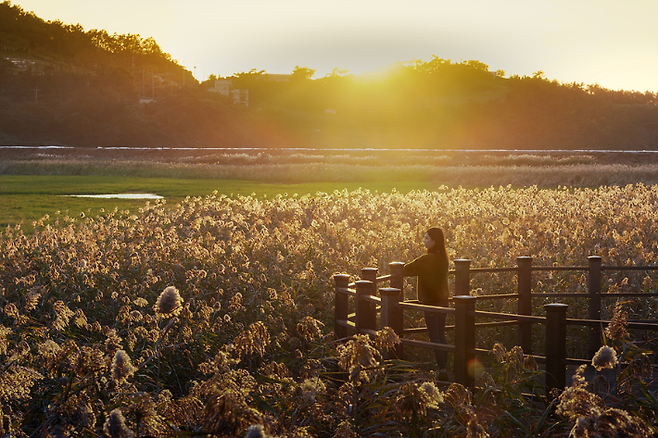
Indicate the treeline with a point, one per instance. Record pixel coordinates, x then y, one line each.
60 84
52 47
443 104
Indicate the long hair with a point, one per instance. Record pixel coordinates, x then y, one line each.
439 243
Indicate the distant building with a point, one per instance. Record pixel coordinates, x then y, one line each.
240 97
276 77
225 88
24 65
41 68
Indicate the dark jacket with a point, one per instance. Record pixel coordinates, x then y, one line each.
432 273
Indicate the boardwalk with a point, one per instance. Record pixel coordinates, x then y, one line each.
375 307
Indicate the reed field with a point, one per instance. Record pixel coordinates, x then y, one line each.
211 314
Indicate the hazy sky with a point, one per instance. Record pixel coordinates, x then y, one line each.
610 42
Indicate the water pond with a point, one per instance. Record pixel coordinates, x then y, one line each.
120 196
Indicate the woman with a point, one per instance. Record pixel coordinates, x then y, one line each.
432 272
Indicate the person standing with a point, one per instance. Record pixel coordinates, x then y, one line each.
432 272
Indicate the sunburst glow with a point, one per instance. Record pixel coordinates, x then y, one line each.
608 42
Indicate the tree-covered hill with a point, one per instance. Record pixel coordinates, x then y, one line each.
61 84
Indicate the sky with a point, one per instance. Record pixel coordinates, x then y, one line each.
612 43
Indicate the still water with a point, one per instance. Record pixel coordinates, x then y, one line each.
121 196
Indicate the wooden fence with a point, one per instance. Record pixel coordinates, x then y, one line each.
372 301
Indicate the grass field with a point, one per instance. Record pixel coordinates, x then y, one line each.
26 198
34 183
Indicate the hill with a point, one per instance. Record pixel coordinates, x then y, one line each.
60 84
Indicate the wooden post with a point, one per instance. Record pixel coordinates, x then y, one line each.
366 315
369 274
594 303
397 276
341 281
392 317
462 277
464 339
556 346
524 302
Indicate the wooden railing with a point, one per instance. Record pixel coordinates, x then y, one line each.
371 301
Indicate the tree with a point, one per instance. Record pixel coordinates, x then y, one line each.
302 73
477 65
210 82
337 73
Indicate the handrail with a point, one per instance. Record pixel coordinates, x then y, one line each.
509 316
635 325
496 297
565 268
586 295
372 299
629 268
427 308
560 268
629 294
559 295
452 327
345 290
515 269
425 344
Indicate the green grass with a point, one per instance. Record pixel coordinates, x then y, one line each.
26 198
32 188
